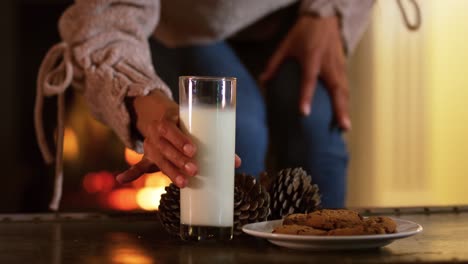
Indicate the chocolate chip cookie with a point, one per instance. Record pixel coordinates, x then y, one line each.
339 222
380 225
299 230
295 219
331 219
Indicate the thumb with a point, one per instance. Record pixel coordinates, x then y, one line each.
273 64
136 171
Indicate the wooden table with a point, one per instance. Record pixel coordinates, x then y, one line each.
139 238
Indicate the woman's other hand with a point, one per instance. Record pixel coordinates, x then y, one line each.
315 42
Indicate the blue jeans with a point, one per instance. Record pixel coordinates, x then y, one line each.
271 122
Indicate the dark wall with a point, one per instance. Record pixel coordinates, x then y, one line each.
9 107
28 30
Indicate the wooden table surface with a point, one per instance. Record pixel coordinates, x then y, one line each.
139 238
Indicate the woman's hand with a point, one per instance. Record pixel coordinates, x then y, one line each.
315 42
166 147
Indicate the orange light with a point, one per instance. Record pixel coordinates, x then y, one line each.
123 199
98 182
70 144
148 198
157 179
132 157
129 255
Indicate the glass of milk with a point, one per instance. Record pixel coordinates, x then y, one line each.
208 113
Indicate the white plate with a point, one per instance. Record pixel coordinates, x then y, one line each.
405 228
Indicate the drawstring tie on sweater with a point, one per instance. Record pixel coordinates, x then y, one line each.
417 12
55 76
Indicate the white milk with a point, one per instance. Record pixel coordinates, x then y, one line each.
208 200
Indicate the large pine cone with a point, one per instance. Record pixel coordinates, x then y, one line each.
251 204
169 209
292 192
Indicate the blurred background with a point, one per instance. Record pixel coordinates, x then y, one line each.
408 145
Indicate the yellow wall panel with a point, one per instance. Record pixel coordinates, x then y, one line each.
449 100
412 117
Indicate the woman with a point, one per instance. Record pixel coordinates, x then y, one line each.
297 51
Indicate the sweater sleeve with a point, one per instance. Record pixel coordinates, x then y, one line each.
111 59
354 16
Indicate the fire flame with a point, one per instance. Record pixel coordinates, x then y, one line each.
123 199
149 196
71 149
144 193
95 182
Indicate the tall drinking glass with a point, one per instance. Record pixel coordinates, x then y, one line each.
208 113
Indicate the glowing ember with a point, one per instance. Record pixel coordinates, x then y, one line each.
123 199
95 182
148 198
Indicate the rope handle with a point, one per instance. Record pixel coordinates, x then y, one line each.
417 12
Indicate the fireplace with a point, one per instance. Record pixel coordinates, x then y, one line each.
93 156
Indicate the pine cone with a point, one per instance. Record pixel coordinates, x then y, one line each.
251 204
169 209
292 192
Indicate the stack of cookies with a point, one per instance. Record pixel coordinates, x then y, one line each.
335 222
